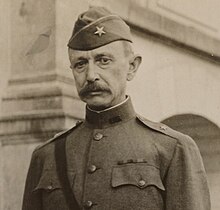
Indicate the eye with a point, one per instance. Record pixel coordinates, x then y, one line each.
104 60
80 65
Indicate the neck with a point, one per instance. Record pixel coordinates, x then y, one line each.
99 110
110 116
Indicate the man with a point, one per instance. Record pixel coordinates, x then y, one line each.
114 159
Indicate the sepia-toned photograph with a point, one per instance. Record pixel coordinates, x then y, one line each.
110 105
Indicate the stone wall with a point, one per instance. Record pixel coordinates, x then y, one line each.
172 81
179 74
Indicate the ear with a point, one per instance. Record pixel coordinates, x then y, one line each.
134 64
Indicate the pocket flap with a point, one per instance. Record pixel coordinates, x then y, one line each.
138 174
48 181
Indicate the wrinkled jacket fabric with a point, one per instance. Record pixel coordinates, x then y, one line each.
117 160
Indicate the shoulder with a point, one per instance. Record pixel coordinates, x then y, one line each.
57 137
167 131
44 155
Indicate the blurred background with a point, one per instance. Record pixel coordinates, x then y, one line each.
178 82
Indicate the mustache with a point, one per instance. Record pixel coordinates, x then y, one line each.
91 87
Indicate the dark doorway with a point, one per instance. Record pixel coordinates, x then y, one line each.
207 136
205 133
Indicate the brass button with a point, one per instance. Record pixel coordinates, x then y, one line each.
141 183
92 168
78 122
88 204
98 136
50 187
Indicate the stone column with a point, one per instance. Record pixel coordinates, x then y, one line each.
40 99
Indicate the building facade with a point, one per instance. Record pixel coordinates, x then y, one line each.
178 82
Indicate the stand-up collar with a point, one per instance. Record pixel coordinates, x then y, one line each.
117 114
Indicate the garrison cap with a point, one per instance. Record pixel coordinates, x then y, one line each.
97 27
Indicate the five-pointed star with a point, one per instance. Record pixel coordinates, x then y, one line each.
100 30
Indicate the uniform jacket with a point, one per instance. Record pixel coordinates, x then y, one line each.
117 160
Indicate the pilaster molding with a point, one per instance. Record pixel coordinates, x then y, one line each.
34 112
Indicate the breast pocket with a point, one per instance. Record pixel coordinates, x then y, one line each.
137 186
51 190
138 175
48 182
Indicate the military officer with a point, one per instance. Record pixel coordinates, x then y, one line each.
114 159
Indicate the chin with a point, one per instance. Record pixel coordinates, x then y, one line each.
98 104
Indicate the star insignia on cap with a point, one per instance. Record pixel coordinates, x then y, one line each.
100 30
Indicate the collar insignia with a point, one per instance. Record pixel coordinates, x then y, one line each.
100 30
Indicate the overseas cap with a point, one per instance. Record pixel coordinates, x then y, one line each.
97 27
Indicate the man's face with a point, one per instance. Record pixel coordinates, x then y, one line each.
101 74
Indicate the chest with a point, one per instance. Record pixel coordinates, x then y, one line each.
115 163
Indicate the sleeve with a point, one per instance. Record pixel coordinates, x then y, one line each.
32 199
186 182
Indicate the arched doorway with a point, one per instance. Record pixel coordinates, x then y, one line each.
207 136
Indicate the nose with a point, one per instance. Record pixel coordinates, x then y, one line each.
92 75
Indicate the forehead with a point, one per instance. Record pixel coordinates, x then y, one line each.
114 49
